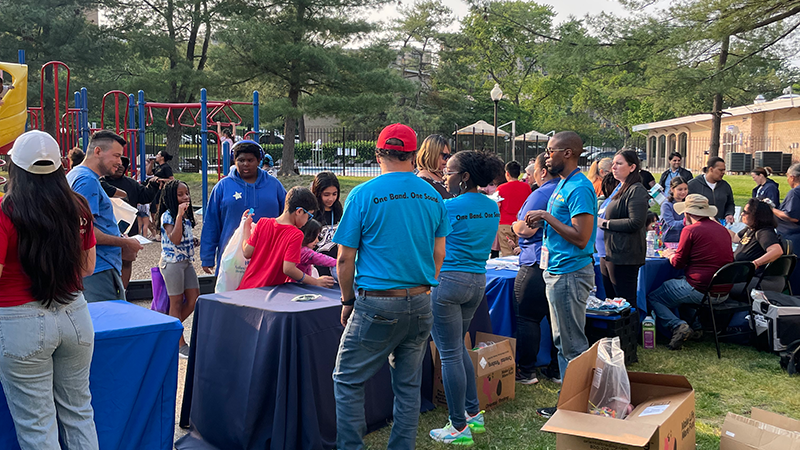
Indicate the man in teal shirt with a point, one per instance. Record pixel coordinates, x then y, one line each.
569 234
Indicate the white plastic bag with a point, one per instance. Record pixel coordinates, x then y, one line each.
610 395
233 263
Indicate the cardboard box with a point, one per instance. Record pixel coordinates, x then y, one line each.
494 367
762 431
663 417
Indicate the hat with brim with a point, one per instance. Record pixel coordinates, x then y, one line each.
696 205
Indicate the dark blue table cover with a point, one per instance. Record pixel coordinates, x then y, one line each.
500 295
133 379
259 372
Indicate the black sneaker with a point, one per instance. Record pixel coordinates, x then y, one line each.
679 336
523 378
183 352
552 374
546 412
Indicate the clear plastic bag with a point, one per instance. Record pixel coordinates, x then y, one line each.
610 394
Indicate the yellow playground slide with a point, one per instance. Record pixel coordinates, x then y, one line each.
14 111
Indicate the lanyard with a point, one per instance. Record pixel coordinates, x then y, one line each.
555 194
602 212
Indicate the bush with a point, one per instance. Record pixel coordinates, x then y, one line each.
331 152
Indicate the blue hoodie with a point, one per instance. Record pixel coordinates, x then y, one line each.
229 199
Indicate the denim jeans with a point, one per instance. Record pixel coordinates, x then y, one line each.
454 303
567 295
379 328
530 308
672 294
44 369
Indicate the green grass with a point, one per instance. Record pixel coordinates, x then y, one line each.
743 379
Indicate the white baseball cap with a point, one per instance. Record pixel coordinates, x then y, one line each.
36 152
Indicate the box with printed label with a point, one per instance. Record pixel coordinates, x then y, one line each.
763 430
662 418
494 367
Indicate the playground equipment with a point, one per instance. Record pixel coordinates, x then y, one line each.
72 123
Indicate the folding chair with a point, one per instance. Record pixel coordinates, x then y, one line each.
781 267
719 286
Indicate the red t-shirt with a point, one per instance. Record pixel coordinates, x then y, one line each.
704 247
273 244
16 284
513 194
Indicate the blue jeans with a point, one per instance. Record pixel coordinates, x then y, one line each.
567 295
379 328
672 294
454 303
44 369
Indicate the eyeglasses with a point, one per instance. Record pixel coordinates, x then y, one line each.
310 216
552 150
448 173
446 156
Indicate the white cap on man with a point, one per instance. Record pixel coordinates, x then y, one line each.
36 152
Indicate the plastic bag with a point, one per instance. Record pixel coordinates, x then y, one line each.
610 394
160 301
233 263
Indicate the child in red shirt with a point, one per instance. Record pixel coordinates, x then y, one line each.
273 246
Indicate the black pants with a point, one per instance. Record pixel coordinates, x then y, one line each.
531 307
620 280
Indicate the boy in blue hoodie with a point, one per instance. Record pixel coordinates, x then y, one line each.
246 186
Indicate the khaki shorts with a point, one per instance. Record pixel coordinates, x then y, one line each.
179 277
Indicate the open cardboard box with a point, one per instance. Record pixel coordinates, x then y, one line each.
663 417
762 431
494 367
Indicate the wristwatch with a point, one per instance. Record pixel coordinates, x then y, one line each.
350 302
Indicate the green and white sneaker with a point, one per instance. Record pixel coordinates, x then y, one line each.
449 435
476 423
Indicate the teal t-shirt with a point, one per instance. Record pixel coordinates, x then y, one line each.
392 221
573 196
474 218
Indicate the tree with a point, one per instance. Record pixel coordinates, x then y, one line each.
298 47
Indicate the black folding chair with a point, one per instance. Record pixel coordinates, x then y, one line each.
720 286
787 247
781 267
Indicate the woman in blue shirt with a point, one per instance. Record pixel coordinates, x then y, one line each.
529 288
766 187
678 190
462 281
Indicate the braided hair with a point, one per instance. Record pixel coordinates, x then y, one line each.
169 202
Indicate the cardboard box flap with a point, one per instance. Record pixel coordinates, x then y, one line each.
660 379
492 358
601 428
577 378
787 423
480 336
742 432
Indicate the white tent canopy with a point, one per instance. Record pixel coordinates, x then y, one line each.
533 136
480 127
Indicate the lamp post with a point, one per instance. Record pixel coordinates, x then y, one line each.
496 94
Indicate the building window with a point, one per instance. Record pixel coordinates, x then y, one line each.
682 142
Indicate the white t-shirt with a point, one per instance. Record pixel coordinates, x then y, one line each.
710 184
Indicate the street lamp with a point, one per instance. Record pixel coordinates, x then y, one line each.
496 94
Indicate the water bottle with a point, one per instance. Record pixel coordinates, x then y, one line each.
657 194
649 332
651 243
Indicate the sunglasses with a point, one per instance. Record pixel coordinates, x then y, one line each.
448 173
310 216
446 156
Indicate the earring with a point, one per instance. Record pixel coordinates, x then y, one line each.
462 186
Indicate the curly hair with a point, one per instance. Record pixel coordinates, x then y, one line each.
483 167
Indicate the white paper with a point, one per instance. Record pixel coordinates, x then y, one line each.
653 410
730 434
142 240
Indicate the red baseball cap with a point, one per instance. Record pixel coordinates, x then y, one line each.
398 131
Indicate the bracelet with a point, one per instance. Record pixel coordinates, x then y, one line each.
302 278
350 302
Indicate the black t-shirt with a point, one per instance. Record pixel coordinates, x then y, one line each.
163 171
647 179
754 244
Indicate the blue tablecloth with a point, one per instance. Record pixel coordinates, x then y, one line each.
133 379
500 295
259 372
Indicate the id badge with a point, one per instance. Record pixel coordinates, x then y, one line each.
544 257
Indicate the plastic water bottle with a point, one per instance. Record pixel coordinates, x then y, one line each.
651 243
657 193
649 332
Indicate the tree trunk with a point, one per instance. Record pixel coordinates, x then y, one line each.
289 122
716 109
301 123
174 135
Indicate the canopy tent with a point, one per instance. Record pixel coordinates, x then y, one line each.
480 127
532 136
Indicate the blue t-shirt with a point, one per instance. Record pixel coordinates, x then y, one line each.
599 240
791 206
573 196
392 221
531 248
171 253
87 183
474 218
